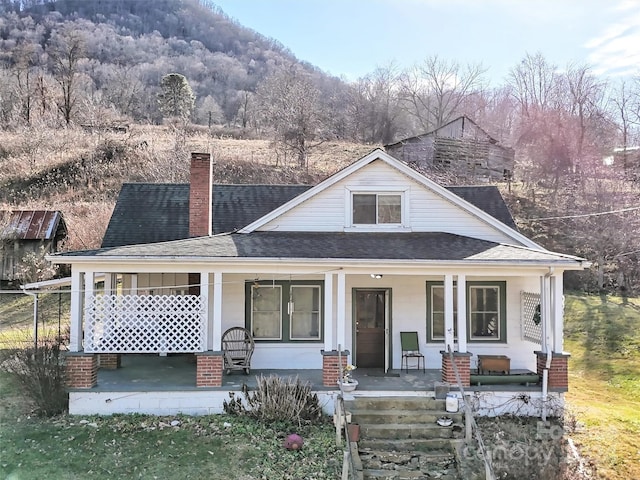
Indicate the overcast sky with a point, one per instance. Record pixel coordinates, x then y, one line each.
352 37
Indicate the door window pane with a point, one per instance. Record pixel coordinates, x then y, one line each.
370 309
265 312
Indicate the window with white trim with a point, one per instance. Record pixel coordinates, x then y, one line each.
285 311
376 209
486 311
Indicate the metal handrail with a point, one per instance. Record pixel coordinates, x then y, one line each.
489 473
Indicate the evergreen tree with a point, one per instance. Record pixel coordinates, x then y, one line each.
176 97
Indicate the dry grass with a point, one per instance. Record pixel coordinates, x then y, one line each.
80 173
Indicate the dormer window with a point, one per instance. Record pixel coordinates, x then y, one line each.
377 208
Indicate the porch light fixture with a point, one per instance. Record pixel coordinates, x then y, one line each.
377 276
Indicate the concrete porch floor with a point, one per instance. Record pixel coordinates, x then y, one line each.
143 372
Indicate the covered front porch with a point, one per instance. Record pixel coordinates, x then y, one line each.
163 315
166 385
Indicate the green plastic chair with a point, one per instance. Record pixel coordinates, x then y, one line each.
411 349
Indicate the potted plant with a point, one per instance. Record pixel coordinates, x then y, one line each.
347 382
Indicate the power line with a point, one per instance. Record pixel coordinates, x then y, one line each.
584 215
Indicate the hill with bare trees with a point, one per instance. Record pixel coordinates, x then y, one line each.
81 112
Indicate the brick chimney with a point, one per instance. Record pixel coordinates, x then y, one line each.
200 191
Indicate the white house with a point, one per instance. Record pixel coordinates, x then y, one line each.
314 273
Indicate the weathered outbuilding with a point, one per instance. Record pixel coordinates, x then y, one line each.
460 146
27 231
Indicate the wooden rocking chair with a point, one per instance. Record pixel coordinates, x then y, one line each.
237 346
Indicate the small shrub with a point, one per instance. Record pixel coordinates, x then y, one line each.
277 399
40 373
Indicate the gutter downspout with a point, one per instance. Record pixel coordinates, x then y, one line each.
35 315
547 327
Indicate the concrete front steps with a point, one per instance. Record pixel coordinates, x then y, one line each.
400 439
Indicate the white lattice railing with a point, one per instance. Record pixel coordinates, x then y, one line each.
531 317
144 324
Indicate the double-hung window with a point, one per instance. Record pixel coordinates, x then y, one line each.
436 315
285 311
486 311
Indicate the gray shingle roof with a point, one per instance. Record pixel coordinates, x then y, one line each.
150 213
236 206
487 198
159 212
427 246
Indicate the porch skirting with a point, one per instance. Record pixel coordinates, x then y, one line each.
186 402
526 402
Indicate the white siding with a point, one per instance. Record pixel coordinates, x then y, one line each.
429 212
409 313
266 355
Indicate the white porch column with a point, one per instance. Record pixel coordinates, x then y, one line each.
558 313
205 297
448 312
341 314
216 345
108 283
328 312
134 284
545 311
89 291
462 313
75 336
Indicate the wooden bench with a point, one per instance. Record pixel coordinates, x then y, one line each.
494 363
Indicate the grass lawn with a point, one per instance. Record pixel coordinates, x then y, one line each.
148 447
603 337
16 317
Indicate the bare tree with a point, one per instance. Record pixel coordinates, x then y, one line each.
65 50
621 102
434 91
7 95
123 89
586 94
245 100
23 69
209 112
290 103
375 106
533 83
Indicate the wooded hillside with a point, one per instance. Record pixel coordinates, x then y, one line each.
81 111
